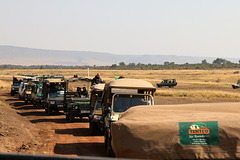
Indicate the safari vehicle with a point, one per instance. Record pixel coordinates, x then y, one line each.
75 103
28 92
15 85
53 93
167 82
237 85
37 93
37 89
24 86
96 117
120 95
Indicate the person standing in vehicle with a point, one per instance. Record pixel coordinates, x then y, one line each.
97 79
84 92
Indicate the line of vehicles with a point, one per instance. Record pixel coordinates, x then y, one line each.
103 106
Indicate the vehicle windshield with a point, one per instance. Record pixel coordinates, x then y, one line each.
123 102
28 87
56 94
98 106
16 83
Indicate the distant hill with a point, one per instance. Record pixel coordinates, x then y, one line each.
30 56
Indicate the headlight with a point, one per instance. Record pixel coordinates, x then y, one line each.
76 107
97 117
52 102
13 88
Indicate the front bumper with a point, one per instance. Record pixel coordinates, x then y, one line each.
56 107
79 112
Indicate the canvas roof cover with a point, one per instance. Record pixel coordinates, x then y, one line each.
57 80
153 132
130 84
98 87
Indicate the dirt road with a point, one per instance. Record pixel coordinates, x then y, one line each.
65 138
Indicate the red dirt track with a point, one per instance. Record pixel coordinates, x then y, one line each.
64 138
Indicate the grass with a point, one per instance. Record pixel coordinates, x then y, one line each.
198 94
191 83
5 85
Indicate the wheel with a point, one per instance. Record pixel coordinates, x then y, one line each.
48 110
67 117
12 94
105 139
38 105
71 117
92 129
34 104
110 152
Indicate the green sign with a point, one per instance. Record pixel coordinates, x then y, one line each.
199 133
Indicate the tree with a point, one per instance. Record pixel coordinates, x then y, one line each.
204 61
113 66
166 63
221 61
131 64
122 64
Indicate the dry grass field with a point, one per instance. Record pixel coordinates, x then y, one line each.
196 85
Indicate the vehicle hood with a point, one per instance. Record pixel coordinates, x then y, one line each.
55 98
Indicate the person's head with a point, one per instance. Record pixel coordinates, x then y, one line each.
98 74
84 88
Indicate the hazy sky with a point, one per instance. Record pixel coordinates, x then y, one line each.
177 27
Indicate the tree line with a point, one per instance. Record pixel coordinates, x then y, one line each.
218 63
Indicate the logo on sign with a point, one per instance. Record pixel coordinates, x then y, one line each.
198 128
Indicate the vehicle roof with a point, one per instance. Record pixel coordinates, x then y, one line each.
29 78
55 80
18 76
98 87
130 84
169 79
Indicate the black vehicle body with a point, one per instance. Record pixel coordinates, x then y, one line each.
167 82
16 84
76 105
53 93
96 117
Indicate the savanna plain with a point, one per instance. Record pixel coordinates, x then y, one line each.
28 130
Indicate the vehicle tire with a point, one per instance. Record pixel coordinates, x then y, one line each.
110 152
105 139
12 94
38 105
67 117
34 104
92 129
71 117
49 111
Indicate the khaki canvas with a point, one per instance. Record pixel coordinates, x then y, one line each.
166 131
